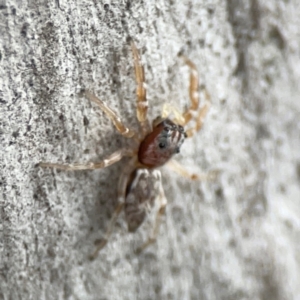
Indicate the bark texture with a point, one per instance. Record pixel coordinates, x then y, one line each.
233 238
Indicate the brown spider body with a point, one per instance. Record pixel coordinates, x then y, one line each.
140 186
145 186
161 144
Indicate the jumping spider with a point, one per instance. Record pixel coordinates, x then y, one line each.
140 184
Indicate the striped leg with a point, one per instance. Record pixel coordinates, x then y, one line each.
122 185
109 230
180 170
142 102
194 97
110 160
125 131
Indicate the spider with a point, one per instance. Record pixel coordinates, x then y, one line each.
140 186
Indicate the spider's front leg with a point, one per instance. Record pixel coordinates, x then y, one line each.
108 161
187 116
194 98
141 102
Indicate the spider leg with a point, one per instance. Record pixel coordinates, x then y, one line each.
193 90
163 203
200 117
194 98
110 160
121 199
109 230
141 102
184 118
125 131
169 109
180 170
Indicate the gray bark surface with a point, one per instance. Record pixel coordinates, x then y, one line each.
233 238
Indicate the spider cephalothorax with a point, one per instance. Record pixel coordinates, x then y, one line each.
161 144
140 185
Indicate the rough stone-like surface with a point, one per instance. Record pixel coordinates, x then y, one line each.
234 238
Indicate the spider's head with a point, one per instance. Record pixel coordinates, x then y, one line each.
161 144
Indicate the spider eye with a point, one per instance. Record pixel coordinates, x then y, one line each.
180 128
162 145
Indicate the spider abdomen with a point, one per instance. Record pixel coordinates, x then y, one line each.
142 192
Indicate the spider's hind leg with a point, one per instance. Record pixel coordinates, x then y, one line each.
122 184
109 230
161 211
